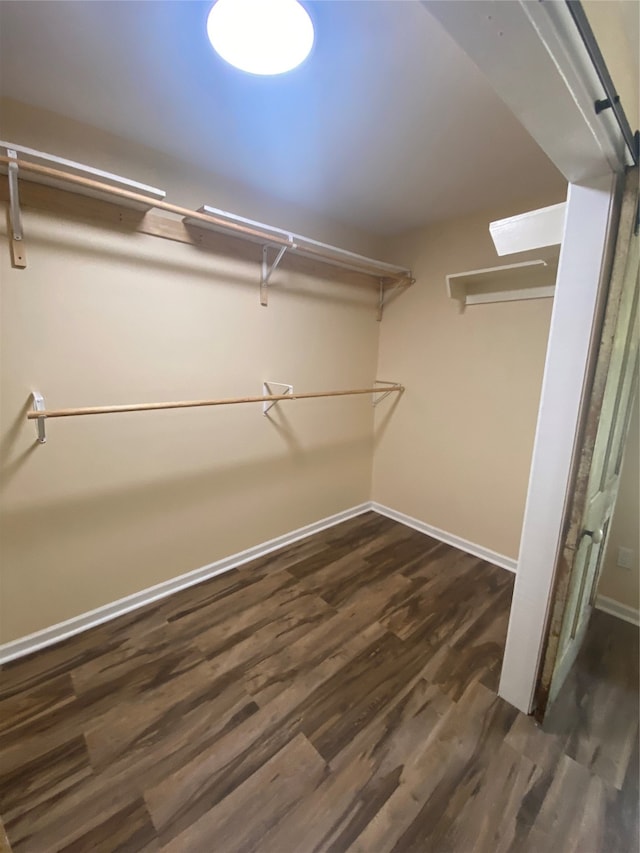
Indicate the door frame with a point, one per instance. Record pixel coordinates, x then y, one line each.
512 44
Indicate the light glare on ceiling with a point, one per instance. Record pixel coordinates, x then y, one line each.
261 36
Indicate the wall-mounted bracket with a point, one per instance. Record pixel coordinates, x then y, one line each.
16 236
267 271
267 390
380 299
39 406
388 291
378 398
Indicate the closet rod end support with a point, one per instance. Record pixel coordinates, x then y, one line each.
385 391
39 406
267 391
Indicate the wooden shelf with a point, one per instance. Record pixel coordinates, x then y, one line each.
78 170
533 279
17 161
299 245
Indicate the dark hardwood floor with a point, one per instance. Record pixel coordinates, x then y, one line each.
336 695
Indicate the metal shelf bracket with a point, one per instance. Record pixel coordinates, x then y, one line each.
386 293
381 396
16 236
267 271
39 406
267 389
381 299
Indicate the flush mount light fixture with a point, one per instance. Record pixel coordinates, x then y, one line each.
260 36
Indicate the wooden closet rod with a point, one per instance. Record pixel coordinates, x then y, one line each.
190 404
367 266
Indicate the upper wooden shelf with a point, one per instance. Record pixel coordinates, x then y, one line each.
68 170
36 166
259 232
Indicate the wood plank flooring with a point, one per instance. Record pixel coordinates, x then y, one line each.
338 695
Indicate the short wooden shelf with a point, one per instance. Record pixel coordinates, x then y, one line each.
534 279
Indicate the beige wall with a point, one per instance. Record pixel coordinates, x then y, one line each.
622 585
114 504
456 453
616 26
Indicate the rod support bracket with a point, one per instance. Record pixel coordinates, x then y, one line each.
378 398
267 271
388 289
267 390
381 300
39 406
16 235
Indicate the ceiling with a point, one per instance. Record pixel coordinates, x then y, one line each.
387 125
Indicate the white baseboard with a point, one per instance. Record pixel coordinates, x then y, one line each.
76 625
48 636
507 563
614 608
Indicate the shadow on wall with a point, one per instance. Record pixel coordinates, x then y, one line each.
8 466
117 508
132 254
385 420
282 425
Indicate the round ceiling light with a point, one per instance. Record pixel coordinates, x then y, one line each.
261 36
